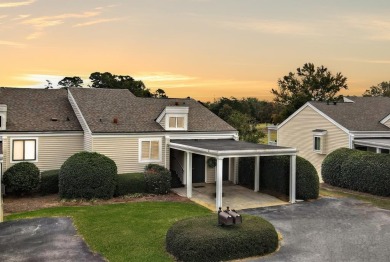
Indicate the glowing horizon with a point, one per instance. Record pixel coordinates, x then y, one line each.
204 49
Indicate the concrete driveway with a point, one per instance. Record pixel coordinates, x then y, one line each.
329 229
43 239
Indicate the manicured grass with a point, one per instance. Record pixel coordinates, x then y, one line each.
380 202
124 232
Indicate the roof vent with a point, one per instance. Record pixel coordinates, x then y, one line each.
335 102
115 120
54 119
67 118
176 103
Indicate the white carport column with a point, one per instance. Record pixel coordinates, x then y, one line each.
189 174
218 195
257 174
378 150
293 162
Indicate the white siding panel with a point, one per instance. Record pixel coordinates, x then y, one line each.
298 133
53 151
387 123
124 151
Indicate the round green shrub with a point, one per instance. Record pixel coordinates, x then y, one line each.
307 181
158 179
87 175
367 172
201 239
275 177
331 166
130 183
49 182
21 178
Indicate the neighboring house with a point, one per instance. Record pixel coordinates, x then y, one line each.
318 128
48 126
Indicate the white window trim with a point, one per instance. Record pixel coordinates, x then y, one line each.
23 138
314 144
159 139
185 128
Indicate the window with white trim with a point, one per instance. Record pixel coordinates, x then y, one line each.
150 150
24 149
317 143
176 122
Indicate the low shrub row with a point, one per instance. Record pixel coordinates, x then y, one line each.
201 239
275 176
358 170
86 175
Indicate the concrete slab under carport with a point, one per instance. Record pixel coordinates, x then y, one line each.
234 196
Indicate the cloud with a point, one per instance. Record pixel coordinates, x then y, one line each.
375 27
98 21
48 21
271 26
163 77
20 17
10 43
16 4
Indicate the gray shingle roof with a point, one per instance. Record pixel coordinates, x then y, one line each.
364 114
100 106
32 110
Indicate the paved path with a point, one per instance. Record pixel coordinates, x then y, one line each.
329 230
43 239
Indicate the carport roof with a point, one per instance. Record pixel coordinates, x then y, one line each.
229 148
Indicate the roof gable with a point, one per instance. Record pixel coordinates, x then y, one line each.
119 111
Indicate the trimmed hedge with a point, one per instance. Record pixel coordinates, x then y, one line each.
275 176
130 183
49 182
158 179
358 170
201 239
87 175
21 178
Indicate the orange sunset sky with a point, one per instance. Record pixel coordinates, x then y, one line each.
204 49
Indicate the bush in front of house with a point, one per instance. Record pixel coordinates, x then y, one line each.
360 171
275 176
331 166
130 183
201 239
158 179
21 178
87 175
49 182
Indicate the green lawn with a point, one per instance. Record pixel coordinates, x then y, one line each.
124 232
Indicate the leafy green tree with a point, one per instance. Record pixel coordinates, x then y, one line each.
382 89
108 80
308 83
73 81
246 127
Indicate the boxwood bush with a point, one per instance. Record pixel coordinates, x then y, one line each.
87 175
158 179
358 170
49 182
275 176
21 178
201 239
130 183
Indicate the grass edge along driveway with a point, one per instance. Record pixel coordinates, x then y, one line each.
124 232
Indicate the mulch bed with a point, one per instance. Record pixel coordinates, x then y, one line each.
13 204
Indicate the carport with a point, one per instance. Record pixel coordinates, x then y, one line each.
221 149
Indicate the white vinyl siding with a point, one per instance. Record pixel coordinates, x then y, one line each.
297 133
210 172
125 152
387 123
52 151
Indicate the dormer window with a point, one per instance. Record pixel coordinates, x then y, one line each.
176 122
174 118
